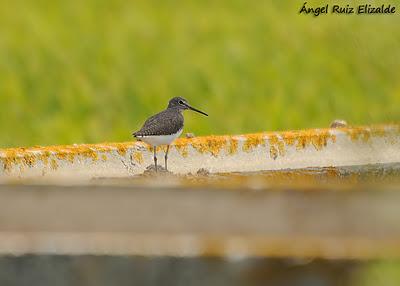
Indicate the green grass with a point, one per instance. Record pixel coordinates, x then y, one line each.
92 71
380 272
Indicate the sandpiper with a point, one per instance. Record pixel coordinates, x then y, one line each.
165 127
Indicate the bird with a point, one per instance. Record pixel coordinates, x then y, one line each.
164 127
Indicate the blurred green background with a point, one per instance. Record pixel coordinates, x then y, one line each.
92 71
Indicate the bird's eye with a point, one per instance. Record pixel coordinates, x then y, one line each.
180 102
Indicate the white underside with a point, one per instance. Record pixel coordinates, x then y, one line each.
160 139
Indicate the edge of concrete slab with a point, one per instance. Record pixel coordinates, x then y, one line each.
330 147
195 245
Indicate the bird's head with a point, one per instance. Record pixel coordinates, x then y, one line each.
182 104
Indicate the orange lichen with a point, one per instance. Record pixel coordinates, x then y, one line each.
29 156
356 134
276 146
210 144
273 152
12 157
233 146
53 164
29 159
8 161
289 139
44 157
162 148
380 131
121 149
138 156
365 133
182 149
92 154
65 155
252 141
318 138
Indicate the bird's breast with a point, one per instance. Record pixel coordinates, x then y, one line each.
157 140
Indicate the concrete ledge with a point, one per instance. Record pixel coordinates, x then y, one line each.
217 154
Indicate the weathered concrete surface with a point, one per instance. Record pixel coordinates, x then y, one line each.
138 221
339 178
217 154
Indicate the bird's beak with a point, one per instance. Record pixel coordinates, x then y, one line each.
194 109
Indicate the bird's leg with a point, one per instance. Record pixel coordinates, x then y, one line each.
155 156
166 158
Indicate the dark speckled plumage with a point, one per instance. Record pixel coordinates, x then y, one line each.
164 127
167 122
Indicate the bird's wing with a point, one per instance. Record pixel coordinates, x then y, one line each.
163 123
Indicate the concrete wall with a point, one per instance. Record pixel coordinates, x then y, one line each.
194 222
96 270
239 153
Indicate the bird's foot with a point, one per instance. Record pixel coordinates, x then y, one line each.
152 170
